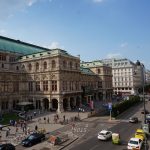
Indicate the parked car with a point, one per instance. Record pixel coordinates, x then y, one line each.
146 112
135 143
33 139
7 146
104 135
133 120
140 134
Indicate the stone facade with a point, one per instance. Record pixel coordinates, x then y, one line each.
50 80
127 76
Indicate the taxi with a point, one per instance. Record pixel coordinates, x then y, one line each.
140 134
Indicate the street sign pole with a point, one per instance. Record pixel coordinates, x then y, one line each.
110 114
110 109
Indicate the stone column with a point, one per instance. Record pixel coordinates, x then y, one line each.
60 105
42 105
104 96
50 104
68 104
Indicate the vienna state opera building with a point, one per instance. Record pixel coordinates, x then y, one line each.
49 78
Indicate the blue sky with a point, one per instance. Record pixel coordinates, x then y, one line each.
93 29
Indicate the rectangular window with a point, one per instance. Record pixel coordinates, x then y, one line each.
37 85
2 57
54 85
45 85
100 84
16 86
30 86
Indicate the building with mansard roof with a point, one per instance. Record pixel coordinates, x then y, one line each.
47 78
127 75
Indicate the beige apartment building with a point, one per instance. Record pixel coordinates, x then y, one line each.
127 75
50 79
105 74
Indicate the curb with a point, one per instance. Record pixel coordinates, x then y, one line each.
68 144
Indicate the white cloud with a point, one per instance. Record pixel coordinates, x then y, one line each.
31 2
54 45
98 1
114 55
10 7
125 44
2 31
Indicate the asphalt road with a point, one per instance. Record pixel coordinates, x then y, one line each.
126 131
89 139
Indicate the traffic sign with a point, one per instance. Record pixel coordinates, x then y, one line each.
110 106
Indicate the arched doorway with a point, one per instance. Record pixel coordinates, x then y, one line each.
46 103
78 101
54 104
65 104
72 103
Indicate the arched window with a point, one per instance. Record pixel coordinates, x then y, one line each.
30 67
64 64
98 71
17 67
45 65
22 67
53 64
37 66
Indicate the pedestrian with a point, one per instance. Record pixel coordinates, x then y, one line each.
48 120
15 123
7 133
34 113
55 119
1 127
44 120
16 130
36 127
64 117
39 120
57 116
23 127
0 136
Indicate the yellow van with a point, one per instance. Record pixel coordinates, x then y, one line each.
140 134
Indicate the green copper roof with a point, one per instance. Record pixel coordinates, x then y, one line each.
16 46
86 71
92 64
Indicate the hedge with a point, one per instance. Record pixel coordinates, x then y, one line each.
124 105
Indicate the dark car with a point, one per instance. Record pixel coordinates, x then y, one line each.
7 146
133 120
33 139
146 112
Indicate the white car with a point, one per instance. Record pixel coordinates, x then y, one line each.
135 143
104 135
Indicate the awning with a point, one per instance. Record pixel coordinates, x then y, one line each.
24 103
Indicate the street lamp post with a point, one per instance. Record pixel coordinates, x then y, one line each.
143 91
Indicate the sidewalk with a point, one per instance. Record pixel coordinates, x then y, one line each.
15 138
